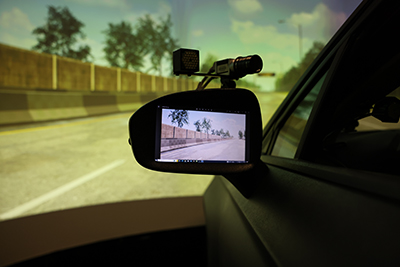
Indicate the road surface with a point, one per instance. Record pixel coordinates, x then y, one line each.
231 149
73 163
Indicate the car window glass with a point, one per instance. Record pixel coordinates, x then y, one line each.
374 144
373 124
289 136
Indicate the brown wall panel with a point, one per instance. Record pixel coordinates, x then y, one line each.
105 79
145 82
23 68
73 74
128 81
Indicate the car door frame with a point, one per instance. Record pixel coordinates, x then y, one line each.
303 213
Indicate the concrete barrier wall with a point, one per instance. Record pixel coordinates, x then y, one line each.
26 69
172 132
180 132
191 134
105 79
39 86
167 131
146 83
159 84
20 106
129 81
72 74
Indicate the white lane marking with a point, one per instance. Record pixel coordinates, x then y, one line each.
59 191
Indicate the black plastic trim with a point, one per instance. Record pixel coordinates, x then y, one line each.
385 185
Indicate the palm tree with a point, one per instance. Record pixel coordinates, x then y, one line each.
179 116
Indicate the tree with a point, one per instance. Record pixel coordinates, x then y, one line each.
124 48
179 116
206 125
240 133
222 133
227 134
127 45
198 125
59 36
288 80
162 43
208 63
213 131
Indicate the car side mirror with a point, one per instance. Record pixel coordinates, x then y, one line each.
215 131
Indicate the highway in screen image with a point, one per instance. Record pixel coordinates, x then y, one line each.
225 150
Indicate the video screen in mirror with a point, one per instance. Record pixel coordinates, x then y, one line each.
201 136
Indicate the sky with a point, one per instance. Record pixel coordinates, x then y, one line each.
227 121
224 28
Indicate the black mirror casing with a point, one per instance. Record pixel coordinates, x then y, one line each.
143 127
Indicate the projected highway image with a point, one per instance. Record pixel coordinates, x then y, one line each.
202 136
67 93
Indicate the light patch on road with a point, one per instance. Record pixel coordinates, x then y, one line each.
59 191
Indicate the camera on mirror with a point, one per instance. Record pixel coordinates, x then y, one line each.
187 62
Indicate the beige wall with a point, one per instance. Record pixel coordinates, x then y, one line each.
145 82
105 79
180 132
167 131
27 69
73 74
24 69
128 81
159 86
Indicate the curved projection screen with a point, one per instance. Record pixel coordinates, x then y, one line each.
65 103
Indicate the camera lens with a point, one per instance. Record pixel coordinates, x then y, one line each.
242 66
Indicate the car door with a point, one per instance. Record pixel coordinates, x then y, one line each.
327 192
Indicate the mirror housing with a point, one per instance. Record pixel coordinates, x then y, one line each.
145 131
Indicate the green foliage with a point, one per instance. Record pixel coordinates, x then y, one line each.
206 125
208 63
221 132
162 44
127 45
124 48
286 82
240 133
179 116
198 125
59 36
